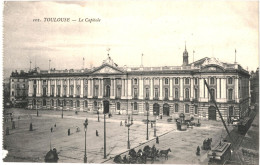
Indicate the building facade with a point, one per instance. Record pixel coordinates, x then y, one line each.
254 86
19 88
167 90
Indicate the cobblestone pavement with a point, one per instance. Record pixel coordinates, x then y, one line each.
31 146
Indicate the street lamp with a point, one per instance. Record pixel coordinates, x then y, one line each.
37 109
128 125
98 114
85 126
154 126
62 104
147 121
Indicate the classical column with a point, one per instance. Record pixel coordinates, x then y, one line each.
129 88
123 87
191 88
223 89
151 89
30 88
161 85
206 90
68 87
49 88
89 88
171 96
74 88
141 87
55 87
218 88
99 88
81 88
181 88
61 87
236 90
112 88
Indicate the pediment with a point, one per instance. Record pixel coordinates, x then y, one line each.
107 70
212 61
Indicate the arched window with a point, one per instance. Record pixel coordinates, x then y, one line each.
187 108
196 81
44 91
166 81
176 81
187 81
64 90
86 91
71 103
135 81
176 108
176 93
135 105
44 102
196 110
187 93
86 103
230 94
118 106
166 93
78 91
213 94
52 90
71 90
212 80
196 93
78 103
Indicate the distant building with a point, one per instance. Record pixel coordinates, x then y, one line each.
19 88
167 90
6 85
254 86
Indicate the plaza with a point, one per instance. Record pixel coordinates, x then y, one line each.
31 146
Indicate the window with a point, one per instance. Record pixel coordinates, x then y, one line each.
71 90
135 105
95 103
23 86
18 86
44 102
176 108
34 81
135 92
78 91
147 106
107 91
166 93
34 91
12 93
176 93
86 103
196 93
135 81
176 82
196 81
52 90
213 94
64 90
34 102
187 108
187 93
44 91
71 103
230 80
78 103
86 91
118 92
118 106
156 93
212 80
166 81
96 92
52 102
58 102
187 81
230 94
196 110
64 103
146 92
58 91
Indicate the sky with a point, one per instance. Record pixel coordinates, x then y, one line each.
156 29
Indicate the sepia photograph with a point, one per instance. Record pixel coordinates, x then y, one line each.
130 82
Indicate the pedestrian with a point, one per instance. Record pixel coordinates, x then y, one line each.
198 151
125 122
68 132
55 125
51 129
151 125
31 127
96 132
13 125
157 140
161 116
121 123
7 131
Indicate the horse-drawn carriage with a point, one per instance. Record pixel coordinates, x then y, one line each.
207 144
141 157
51 156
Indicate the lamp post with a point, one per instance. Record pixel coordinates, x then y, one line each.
128 125
62 104
105 155
154 126
98 114
147 121
37 109
85 128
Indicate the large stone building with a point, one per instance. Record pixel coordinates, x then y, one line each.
163 90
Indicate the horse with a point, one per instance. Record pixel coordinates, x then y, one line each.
165 152
118 159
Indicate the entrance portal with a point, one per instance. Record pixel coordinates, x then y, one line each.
212 113
166 109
